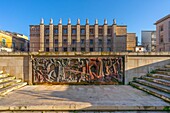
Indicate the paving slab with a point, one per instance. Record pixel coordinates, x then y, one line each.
81 97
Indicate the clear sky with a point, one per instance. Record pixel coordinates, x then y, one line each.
17 15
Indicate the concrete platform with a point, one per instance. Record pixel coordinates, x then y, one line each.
79 97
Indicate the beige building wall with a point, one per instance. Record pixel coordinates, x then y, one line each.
131 41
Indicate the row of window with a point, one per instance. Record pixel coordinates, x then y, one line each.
82 41
82 49
82 31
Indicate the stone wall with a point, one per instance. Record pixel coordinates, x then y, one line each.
136 64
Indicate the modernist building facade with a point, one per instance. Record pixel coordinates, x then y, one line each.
81 38
163 34
149 40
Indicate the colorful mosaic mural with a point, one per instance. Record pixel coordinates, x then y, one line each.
76 70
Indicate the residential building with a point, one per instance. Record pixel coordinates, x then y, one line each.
10 41
163 34
149 40
131 42
87 38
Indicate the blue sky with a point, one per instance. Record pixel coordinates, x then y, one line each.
17 15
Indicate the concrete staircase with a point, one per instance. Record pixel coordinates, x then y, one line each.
156 83
9 83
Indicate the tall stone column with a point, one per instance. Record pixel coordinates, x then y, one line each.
51 36
105 36
87 35
42 35
60 40
69 35
114 36
96 36
78 35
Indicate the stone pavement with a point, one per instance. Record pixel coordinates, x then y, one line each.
80 97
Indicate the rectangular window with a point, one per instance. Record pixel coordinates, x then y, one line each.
47 31
91 31
161 38
91 41
82 41
100 31
73 41
161 28
82 49
65 49
65 41
100 49
65 31
47 41
56 41
56 48
55 31
109 49
91 49
108 41
47 49
73 49
100 41
109 31
73 31
82 31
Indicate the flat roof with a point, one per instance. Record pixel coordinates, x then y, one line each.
162 19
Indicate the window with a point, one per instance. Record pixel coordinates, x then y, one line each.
82 49
82 31
109 31
56 48
108 49
108 41
65 31
91 31
55 31
161 28
47 31
100 41
74 31
161 38
65 49
73 41
91 41
3 42
100 49
100 31
73 49
91 49
56 41
47 41
47 49
65 41
82 41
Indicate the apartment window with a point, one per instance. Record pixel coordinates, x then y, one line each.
65 31
73 31
100 31
56 41
161 28
108 49
82 31
161 38
73 49
100 41
56 48
108 41
65 41
3 42
82 49
91 49
73 41
100 49
91 31
65 49
47 31
91 41
109 31
47 49
82 41
47 41
55 31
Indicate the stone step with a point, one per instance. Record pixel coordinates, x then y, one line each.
167 66
163 69
6 90
159 81
163 72
9 83
4 79
1 72
160 76
4 75
155 92
154 85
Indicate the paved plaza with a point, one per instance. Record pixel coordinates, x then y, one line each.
80 97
